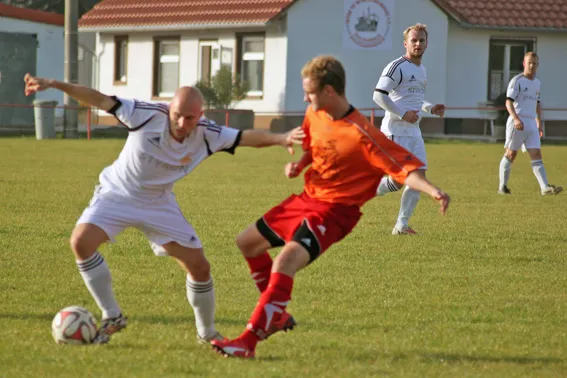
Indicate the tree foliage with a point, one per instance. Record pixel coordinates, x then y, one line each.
223 90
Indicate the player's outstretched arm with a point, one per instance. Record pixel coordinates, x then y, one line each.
261 138
294 169
80 93
416 180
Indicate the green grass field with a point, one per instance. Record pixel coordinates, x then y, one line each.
480 292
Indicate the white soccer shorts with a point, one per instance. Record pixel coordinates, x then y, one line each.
529 136
161 223
413 144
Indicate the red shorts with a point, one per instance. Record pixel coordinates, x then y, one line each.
314 224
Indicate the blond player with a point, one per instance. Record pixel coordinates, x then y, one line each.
400 92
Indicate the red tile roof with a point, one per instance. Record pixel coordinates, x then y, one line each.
32 15
148 13
525 14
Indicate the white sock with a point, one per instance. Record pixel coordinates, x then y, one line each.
201 296
409 201
98 280
387 185
539 172
505 168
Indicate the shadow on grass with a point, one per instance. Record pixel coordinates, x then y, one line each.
456 358
23 316
165 319
149 319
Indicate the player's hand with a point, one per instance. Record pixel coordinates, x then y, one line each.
518 124
443 199
438 110
35 84
292 137
540 132
291 170
411 116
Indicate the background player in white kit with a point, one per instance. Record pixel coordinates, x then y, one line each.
400 92
524 125
165 143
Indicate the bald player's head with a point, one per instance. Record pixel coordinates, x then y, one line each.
185 110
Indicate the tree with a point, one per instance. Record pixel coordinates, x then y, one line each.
223 90
55 6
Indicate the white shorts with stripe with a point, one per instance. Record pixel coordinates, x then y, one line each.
529 136
413 144
161 222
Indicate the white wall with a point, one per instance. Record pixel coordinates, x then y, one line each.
363 67
467 65
50 53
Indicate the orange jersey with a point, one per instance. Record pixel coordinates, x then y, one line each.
350 156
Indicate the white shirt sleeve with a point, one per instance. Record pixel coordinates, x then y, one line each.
513 89
220 138
391 77
134 114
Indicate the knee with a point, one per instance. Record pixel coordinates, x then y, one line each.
201 270
510 155
242 241
80 245
247 244
291 259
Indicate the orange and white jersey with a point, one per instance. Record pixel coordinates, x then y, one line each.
350 156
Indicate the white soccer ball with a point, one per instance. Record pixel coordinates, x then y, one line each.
74 325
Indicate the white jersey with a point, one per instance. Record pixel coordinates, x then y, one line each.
151 160
405 83
525 94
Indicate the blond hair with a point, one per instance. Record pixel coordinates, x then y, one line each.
326 70
531 54
417 27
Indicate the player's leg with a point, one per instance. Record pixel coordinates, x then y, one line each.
199 287
321 226
170 234
539 170
101 221
85 240
387 184
410 197
254 247
270 231
514 140
269 315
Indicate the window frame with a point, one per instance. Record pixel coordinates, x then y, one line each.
529 43
251 56
120 57
158 44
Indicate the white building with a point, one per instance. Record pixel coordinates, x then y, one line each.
474 49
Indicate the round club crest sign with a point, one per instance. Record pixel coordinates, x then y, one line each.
368 23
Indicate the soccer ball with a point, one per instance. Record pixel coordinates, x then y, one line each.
74 325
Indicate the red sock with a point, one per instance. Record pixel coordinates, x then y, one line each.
272 303
260 267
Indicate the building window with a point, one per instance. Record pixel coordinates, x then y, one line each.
505 62
251 63
120 59
166 67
